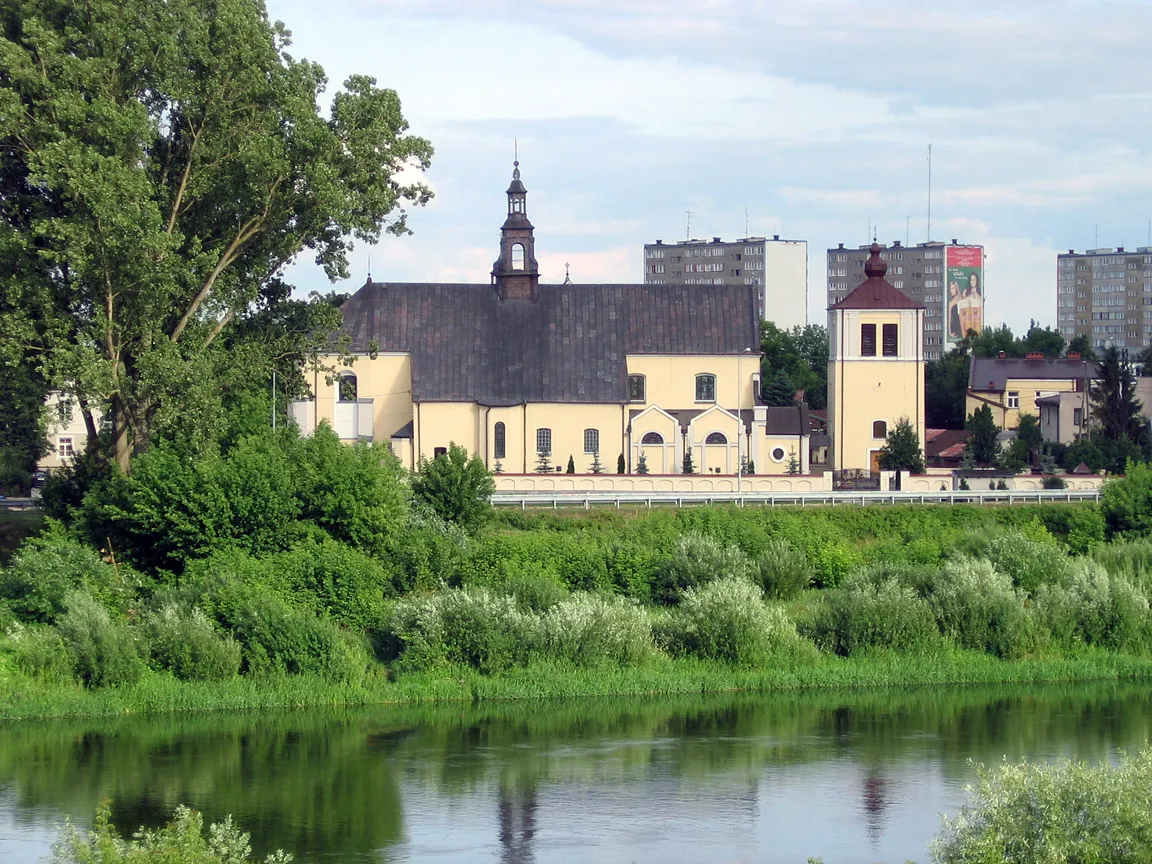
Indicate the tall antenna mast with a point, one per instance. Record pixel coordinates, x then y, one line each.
746 223
688 230
1096 242
929 237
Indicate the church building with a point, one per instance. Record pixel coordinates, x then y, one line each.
527 374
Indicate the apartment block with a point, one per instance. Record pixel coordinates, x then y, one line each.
948 278
1106 295
778 267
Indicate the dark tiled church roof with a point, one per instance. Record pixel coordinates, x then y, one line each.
569 345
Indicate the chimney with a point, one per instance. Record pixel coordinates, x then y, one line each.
1071 251
1119 248
659 242
1034 355
841 245
775 236
953 241
1073 355
715 239
895 242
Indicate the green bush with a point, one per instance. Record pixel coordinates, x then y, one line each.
468 626
1030 563
977 607
865 615
1086 529
1090 607
47 569
428 551
697 560
784 570
727 620
1063 812
185 642
1126 502
40 652
181 841
1131 560
593 630
103 650
534 591
457 488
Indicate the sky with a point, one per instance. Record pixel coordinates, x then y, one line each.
810 119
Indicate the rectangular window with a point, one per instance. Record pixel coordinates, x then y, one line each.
1013 400
544 441
891 332
64 448
437 452
705 388
591 440
635 388
867 340
1077 416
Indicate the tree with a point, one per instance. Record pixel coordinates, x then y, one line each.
1043 340
544 462
800 353
22 439
456 487
597 466
687 465
982 443
901 452
1114 406
571 469
1081 345
781 392
621 468
793 466
163 162
945 389
642 464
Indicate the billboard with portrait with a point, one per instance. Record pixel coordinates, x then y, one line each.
963 291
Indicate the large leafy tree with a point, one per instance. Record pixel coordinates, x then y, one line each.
457 487
982 444
162 163
801 356
901 452
945 389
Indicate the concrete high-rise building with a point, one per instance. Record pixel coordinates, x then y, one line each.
778 267
947 278
1106 295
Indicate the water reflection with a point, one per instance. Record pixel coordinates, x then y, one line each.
849 776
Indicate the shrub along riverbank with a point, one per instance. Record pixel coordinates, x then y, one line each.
301 571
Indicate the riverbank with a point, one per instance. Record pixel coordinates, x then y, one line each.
22 698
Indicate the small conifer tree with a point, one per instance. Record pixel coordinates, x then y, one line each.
498 467
543 462
687 465
793 462
620 467
571 466
751 467
597 466
642 464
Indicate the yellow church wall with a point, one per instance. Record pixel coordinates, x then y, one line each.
568 422
439 424
385 379
1027 388
670 381
767 463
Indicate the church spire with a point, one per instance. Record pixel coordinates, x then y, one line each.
515 273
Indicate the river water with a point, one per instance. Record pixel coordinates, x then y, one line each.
849 777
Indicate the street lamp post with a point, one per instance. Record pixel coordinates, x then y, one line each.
740 419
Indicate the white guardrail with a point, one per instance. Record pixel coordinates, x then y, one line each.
555 500
19 503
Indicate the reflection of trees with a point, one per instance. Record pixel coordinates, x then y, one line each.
324 782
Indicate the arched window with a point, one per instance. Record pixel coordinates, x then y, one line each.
715 438
498 441
517 256
346 388
879 429
544 441
652 438
705 388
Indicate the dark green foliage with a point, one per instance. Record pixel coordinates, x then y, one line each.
945 389
262 496
901 452
1092 607
642 464
780 392
48 569
868 615
1126 502
801 356
456 487
977 607
65 488
1114 404
784 570
543 462
982 443
571 469
103 649
596 467
1054 481
1082 345
697 560
22 440
621 468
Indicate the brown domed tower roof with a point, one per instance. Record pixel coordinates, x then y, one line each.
876 292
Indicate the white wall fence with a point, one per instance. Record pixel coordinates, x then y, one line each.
586 500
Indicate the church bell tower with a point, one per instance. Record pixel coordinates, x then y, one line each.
515 273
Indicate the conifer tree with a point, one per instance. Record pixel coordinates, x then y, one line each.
571 466
687 465
543 462
621 468
793 462
642 464
597 466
